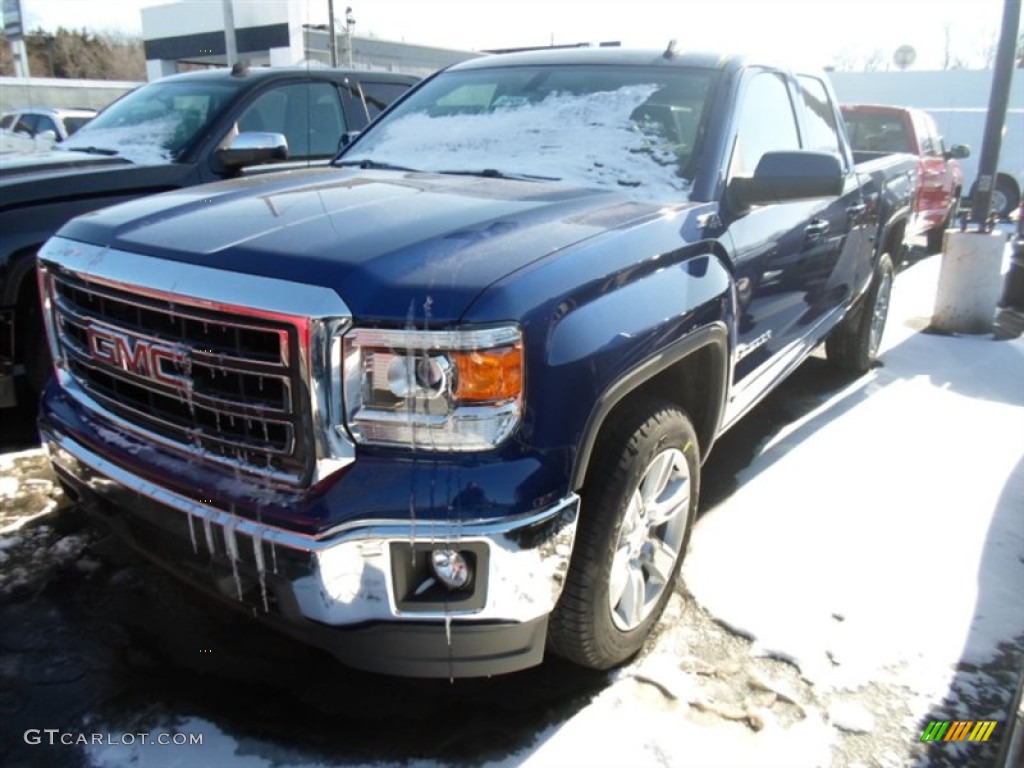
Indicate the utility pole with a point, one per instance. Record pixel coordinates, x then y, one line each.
981 201
332 42
970 278
350 24
14 31
230 44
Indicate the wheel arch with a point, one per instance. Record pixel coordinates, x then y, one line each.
692 372
17 266
893 237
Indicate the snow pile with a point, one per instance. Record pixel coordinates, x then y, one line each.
587 140
851 717
627 726
32 556
28 489
886 543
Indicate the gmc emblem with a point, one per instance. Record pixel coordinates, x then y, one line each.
138 356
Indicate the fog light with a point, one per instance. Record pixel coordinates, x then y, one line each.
450 567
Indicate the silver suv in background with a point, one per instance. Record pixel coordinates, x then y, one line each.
47 124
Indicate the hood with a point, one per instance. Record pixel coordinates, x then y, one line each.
14 165
395 246
59 176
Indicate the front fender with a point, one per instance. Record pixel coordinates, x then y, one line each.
715 339
601 318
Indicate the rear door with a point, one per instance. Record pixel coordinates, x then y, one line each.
791 262
840 256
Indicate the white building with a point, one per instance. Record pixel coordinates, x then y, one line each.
270 34
958 100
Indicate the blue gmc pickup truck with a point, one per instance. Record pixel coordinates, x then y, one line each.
444 404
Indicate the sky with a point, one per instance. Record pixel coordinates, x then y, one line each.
815 31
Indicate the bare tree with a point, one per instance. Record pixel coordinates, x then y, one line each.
875 61
845 60
79 54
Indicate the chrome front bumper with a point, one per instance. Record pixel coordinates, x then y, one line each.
345 577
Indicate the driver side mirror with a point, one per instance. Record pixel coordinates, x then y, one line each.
782 177
958 152
252 148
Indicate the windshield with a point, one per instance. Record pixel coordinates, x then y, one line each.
154 123
633 129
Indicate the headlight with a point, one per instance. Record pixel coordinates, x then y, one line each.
435 390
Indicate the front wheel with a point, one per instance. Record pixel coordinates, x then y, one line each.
637 509
853 344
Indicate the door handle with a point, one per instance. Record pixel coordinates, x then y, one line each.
816 227
857 209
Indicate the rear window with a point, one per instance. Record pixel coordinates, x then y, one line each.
72 124
876 132
379 95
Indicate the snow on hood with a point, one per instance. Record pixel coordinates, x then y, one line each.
587 140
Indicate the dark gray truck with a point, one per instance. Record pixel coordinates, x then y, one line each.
445 404
177 132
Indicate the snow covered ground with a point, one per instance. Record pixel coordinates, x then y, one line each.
869 570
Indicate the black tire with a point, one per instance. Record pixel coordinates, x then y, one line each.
1005 196
853 344
31 347
621 518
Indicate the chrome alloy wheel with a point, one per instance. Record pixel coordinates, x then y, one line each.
880 312
650 539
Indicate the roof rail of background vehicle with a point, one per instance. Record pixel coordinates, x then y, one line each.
256 73
722 60
607 56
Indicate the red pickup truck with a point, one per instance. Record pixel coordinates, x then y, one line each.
878 130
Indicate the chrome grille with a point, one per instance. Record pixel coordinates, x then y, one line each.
221 385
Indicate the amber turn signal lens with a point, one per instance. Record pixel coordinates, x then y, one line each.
489 374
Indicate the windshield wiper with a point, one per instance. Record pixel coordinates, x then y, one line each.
373 165
93 150
494 173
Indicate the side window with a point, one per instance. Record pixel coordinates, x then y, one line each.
8 121
766 123
931 142
819 116
379 95
308 114
26 124
43 123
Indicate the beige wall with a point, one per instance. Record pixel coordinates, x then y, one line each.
55 92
